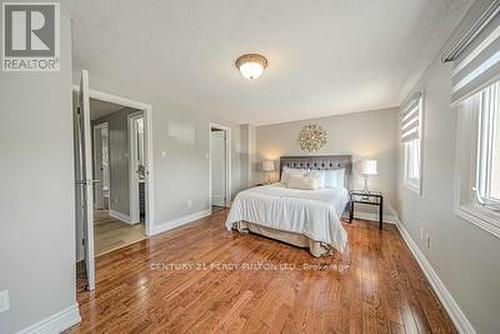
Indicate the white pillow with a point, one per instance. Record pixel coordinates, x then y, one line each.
320 175
305 182
334 178
287 171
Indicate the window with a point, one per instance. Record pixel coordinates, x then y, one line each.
475 94
488 157
411 137
477 197
412 164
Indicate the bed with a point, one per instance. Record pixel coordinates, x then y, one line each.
304 218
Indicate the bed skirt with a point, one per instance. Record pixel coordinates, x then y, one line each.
316 248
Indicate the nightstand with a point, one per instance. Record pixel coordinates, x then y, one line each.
371 198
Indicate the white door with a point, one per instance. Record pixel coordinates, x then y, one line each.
218 168
84 179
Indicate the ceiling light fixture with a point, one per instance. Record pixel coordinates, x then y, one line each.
251 66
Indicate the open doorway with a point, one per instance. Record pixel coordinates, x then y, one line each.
119 175
113 175
220 167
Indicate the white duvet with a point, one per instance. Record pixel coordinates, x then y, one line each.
313 213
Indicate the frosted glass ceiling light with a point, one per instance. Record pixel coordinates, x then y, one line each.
251 66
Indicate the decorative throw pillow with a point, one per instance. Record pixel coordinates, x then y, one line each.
304 182
319 175
287 171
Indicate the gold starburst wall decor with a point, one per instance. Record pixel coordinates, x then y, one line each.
312 138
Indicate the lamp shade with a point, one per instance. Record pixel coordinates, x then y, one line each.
268 166
368 167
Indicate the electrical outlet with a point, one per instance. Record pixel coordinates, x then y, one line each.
4 301
421 233
428 241
190 203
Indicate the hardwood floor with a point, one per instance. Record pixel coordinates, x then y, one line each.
382 290
111 234
216 208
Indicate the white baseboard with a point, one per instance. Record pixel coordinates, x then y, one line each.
389 219
457 316
56 323
155 229
120 216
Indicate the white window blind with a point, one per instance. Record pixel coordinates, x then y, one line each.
411 118
478 65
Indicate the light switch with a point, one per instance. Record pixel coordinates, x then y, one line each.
4 301
163 154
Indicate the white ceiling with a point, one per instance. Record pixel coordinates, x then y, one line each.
325 57
100 108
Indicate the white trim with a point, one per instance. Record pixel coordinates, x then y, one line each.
410 186
370 216
148 124
228 192
180 221
465 204
482 218
56 323
461 322
120 216
134 201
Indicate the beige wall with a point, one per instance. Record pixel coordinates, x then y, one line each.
37 230
371 134
464 256
248 154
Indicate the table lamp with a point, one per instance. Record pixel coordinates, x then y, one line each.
368 168
268 167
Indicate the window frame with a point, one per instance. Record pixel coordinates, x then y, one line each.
472 205
413 184
486 141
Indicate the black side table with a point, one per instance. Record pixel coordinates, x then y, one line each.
370 198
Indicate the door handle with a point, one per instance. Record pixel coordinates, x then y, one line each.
85 182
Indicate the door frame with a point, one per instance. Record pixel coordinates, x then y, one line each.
228 162
148 124
134 199
103 125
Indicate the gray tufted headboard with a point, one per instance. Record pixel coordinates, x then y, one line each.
320 162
